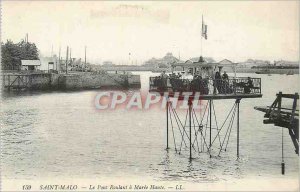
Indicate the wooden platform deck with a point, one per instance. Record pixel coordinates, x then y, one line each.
284 111
180 95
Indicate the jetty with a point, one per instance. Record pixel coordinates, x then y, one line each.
68 74
285 116
44 80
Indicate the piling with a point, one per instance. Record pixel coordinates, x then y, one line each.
167 111
190 126
238 129
210 128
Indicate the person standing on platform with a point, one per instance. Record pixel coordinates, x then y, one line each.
225 76
248 86
226 86
164 78
217 82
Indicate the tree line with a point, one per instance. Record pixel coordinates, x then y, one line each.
12 54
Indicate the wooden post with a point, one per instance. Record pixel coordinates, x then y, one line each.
294 106
279 104
8 82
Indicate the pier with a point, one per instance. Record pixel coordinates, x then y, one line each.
284 116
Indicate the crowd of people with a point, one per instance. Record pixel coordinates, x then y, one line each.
221 83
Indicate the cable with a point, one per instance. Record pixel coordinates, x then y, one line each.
173 132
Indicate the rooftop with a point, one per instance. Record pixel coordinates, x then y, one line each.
30 62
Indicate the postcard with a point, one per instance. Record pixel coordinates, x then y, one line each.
149 96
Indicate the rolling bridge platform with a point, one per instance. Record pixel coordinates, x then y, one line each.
233 88
199 133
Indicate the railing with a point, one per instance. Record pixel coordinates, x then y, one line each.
240 85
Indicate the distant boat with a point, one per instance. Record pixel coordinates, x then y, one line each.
263 71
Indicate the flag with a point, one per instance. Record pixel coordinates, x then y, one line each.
204 30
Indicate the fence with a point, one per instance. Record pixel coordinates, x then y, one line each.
240 85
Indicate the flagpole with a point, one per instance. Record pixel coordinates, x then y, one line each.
201 34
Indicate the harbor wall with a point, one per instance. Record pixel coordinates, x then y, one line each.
40 81
92 81
71 81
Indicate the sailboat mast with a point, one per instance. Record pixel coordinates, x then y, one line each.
70 55
58 58
67 59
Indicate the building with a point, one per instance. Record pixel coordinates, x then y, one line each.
161 62
31 65
206 59
153 62
107 63
49 63
227 65
225 62
286 63
250 63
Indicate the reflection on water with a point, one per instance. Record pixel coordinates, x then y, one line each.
61 134
200 169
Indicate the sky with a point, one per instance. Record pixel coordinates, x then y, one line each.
237 30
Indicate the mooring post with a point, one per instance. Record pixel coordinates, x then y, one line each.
190 124
210 128
167 110
282 157
279 104
238 128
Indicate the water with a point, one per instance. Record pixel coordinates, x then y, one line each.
62 135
